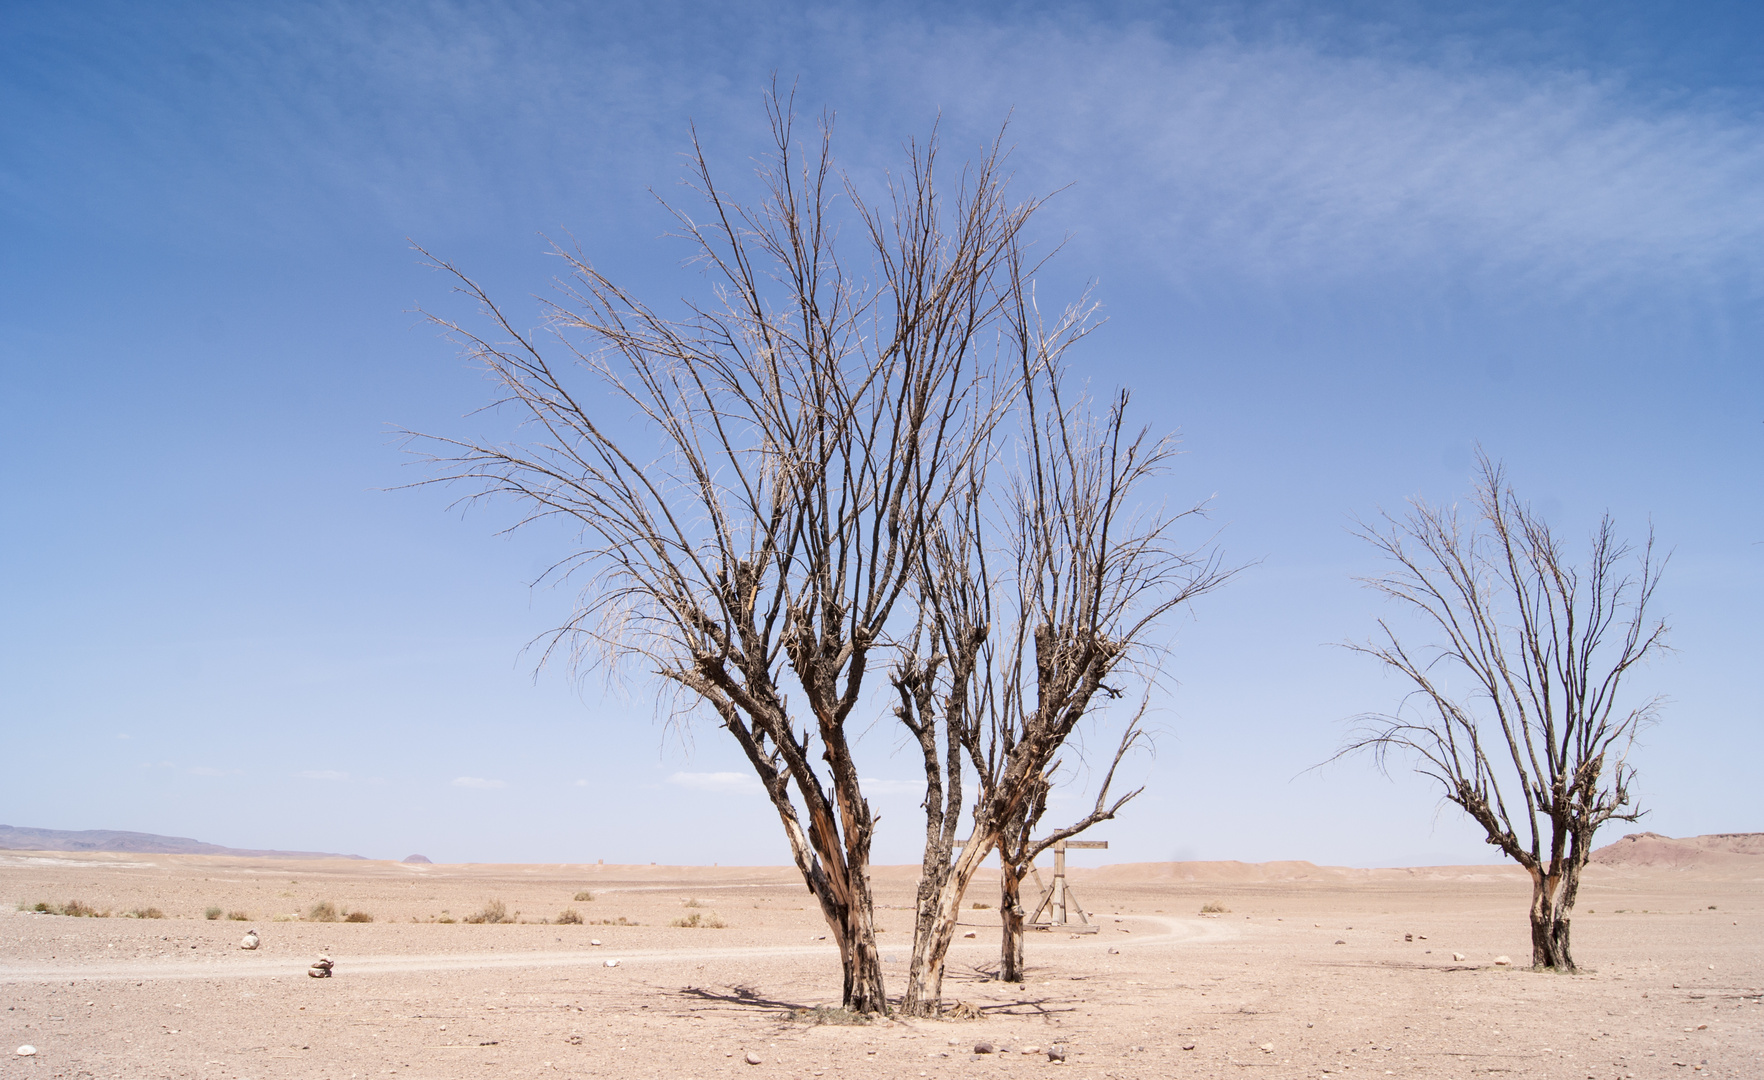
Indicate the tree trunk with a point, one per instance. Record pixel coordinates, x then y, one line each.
940 904
1552 898
1010 917
862 961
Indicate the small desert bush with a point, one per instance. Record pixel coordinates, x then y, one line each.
494 911
620 921
583 897
695 919
445 919
358 916
146 913
238 916
981 907
691 903
1213 907
73 907
323 911
213 913
569 917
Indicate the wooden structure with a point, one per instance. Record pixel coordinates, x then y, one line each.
1058 899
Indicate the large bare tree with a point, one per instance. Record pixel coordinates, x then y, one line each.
1046 577
752 478
1533 740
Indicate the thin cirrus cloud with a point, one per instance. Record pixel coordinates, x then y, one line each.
323 774
1282 160
477 782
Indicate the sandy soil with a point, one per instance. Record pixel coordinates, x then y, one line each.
1308 975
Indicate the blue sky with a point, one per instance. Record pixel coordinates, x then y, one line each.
1338 248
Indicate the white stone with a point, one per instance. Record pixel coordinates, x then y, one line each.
27 1050
1502 961
1458 956
593 941
612 963
752 1058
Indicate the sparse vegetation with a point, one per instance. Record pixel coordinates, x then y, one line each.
583 897
146 913
620 921
73 907
569 917
494 911
323 911
358 916
445 919
691 903
709 921
1213 907
238 916
981 907
213 913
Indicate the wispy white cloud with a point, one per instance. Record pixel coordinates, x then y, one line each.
477 782
873 786
1284 161
322 774
728 782
208 770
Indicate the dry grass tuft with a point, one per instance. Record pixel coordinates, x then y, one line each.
494 911
213 913
146 913
358 916
1213 907
830 1014
238 916
709 921
583 897
569 917
323 911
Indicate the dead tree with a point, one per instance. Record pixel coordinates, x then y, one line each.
1005 665
1533 741
809 424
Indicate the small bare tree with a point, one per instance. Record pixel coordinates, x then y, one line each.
1004 666
810 425
1533 743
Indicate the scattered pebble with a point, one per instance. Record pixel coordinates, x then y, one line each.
27 1050
1339 941
1502 961
1188 1046
593 941
968 934
1031 1049
1114 952
615 963
1458 956
1267 1048
752 1058
1055 1053
984 1048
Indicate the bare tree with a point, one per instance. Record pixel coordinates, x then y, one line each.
1533 744
1038 586
811 423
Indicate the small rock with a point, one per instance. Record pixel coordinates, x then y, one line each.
1423 937
1055 1053
1114 952
1188 1046
1031 1049
1502 961
752 1058
593 941
1408 937
984 1048
1267 1048
27 1050
615 963
249 941
1339 941
1458 956
969 934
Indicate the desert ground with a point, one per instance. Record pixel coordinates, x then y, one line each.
1311 972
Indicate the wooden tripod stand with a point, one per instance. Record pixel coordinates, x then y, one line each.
1058 899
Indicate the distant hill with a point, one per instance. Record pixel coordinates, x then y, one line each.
13 838
1653 849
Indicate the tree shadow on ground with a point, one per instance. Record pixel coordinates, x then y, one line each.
739 997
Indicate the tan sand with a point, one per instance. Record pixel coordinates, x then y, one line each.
1307 975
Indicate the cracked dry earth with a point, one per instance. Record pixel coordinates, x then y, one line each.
1309 974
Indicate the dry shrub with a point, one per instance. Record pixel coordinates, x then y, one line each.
323 911
981 907
584 896
1213 907
495 911
695 919
358 916
146 913
620 921
238 916
569 917
830 1014
213 913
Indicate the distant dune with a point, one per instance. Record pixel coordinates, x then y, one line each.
13 838
1725 850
